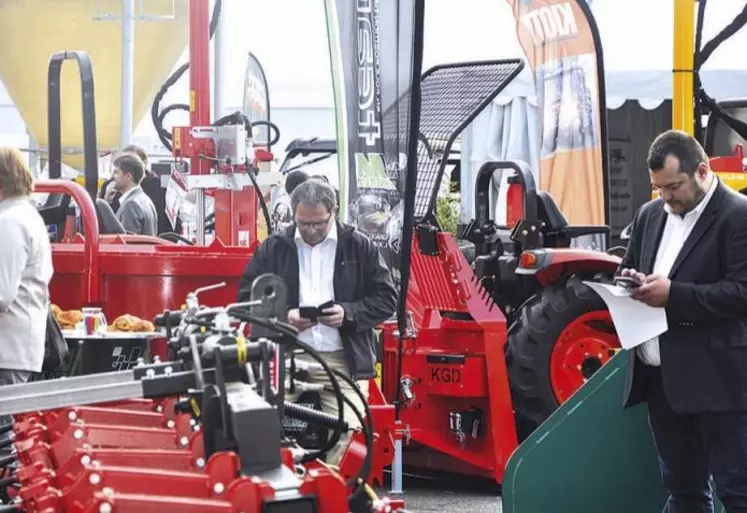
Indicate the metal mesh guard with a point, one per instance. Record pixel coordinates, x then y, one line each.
451 97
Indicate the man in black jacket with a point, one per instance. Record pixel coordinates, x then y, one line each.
688 251
324 261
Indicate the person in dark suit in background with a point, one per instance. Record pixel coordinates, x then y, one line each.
688 252
136 212
151 185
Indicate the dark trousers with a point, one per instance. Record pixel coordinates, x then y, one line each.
692 448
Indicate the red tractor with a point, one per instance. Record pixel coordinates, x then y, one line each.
495 344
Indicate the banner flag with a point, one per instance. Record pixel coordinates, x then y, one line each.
563 48
371 51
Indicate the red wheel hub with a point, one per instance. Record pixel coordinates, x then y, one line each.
586 344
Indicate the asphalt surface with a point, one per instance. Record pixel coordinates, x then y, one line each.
423 495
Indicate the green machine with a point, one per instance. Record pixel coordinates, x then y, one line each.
590 456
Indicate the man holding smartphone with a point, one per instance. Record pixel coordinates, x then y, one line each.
688 255
339 290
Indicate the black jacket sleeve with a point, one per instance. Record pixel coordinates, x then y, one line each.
257 266
628 260
722 300
381 296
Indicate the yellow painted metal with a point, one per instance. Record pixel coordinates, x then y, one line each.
32 30
684 48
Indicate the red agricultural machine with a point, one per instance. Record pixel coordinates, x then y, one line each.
200 432
95 267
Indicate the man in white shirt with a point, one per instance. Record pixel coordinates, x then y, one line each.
332 267
25 273
688 252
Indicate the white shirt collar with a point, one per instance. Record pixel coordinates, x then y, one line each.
126 194
332 235
695 212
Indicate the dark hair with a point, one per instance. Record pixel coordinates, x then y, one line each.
313 193
137 150
680 145
294 179
132 164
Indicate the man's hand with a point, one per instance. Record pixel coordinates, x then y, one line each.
298 322
110 193
654 292
632 273
332 316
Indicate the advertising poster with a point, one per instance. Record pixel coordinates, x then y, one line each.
562 47
371 51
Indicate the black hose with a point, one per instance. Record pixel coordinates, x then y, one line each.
291 338
702 55
7 428
158 117
6 443
7 460
236 118
697 85
368 431
316 417
7 481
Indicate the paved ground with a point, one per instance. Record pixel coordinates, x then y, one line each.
426 496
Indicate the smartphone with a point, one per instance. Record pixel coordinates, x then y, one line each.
324 306
308 312
627 282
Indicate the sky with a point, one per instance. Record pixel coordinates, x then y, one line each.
290 39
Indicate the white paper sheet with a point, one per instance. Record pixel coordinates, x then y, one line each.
635 322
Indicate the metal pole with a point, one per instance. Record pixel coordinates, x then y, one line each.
128 72
199 85
219 65
33 155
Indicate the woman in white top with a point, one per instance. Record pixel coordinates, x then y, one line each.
25 272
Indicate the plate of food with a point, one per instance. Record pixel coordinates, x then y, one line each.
124 326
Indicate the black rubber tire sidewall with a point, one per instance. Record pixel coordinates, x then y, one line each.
531 340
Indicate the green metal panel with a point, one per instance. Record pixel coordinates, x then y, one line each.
590 456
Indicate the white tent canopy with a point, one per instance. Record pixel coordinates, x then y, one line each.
637 40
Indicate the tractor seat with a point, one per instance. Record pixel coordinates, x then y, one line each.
108 222
549 213
556 225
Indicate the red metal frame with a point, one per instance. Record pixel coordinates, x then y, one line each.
199 73
135 468
476 331
552 263
90 263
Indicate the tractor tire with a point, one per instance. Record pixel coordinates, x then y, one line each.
560 337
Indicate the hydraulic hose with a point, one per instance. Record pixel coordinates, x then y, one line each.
158 116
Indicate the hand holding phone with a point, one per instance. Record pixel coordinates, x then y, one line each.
331 314
309 312
627 282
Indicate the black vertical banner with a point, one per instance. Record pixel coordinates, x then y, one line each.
257 99
373 64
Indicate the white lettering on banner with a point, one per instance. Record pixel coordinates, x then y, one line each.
550 22
369 127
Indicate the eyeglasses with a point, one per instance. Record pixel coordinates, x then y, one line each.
313 224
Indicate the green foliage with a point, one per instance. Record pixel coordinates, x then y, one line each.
447 211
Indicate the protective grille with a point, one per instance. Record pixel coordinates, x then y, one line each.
451 97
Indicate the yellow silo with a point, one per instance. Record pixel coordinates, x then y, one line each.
32 30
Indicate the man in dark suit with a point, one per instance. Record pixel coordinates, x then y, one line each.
688 251
136 212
